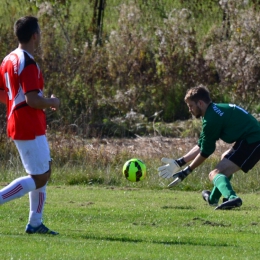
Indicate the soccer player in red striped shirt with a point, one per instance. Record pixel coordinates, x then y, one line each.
21 89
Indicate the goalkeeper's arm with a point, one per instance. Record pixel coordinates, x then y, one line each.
191 155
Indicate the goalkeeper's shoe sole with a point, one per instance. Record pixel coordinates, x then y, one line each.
42 229
205 195
230 204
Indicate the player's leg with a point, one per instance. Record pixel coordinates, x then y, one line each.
17 188
212 197
38 165
243 156
35 156
30 157
37 201
219 177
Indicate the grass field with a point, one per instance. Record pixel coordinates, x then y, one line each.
123 223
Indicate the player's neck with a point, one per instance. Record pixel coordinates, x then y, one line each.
205 108
27 47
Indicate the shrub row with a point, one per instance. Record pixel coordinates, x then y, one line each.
145 61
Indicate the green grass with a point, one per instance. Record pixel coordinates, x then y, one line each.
123 223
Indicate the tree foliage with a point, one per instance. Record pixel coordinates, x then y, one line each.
149 56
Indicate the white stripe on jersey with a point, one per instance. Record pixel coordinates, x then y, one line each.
19 98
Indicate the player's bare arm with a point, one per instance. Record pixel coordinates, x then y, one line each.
39 102
191 155
197 161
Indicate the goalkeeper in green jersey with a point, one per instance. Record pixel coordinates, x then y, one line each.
227 122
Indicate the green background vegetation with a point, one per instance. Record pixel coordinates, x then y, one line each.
150 53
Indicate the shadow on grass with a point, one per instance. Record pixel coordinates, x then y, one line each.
177 241
179 207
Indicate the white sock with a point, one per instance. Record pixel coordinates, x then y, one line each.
17 189
37 201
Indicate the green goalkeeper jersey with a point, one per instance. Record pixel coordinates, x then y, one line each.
229 123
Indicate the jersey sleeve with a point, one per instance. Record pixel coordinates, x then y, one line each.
209 135
29 79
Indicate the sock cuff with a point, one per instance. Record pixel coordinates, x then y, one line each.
218 177
42 189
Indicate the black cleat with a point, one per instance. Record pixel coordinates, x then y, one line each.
225 200
205 195
230 204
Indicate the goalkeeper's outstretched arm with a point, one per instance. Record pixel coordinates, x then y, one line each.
192 154
172 167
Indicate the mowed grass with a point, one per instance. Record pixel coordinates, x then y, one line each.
131 223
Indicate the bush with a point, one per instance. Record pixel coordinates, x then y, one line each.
150 54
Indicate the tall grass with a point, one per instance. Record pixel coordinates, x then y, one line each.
99 162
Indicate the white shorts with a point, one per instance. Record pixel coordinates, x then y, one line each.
35 154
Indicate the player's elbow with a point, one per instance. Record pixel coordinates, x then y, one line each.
34 101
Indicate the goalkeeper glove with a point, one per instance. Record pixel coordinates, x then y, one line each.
180 176
171 167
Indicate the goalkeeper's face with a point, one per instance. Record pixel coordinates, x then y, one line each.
194 108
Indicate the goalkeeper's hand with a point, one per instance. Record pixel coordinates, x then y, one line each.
168 170
180 176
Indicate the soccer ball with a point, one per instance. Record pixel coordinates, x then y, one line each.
134 170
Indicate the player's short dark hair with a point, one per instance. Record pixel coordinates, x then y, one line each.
198 93
25 27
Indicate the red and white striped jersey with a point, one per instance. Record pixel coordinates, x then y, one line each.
20 74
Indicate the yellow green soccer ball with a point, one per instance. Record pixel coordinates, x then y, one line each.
134 170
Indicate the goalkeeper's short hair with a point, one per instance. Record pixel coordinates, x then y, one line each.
198 93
